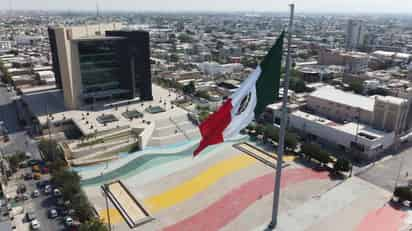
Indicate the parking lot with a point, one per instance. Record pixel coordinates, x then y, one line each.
37 206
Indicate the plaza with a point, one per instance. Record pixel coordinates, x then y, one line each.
227 189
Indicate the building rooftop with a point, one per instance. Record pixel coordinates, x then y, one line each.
350 128
392 100
330 93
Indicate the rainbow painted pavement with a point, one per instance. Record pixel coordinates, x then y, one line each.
229 190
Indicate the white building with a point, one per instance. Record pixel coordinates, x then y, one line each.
347 136
213 68
371 84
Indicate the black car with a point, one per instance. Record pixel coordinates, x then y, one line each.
41 184
32 162
28 176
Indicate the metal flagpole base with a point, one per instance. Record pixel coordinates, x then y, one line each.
271 226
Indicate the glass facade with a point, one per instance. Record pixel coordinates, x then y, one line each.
101 70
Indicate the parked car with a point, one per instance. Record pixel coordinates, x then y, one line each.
47 189
44 170
41 184
30 216
52 213
35 193
23 164
35 224
68 221
25 196
32 162
56 192
21 188
28 176
35 168
36 176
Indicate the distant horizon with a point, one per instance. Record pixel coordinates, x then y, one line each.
351 7
366 13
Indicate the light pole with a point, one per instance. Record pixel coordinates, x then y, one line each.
105 188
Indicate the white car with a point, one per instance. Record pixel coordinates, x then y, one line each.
36 193
68 221
47 189
56 192
35 225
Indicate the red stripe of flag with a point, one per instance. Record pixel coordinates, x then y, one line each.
212 128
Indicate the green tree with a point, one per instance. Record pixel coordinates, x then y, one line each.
271 132
297 85
291 140
68 181
83 209
356 86
15 160
314 151
184 38
403 192
51 150
93 225
343 165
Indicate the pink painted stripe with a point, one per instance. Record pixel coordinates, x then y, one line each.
382 219
230 206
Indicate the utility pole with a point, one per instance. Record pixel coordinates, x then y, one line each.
281 147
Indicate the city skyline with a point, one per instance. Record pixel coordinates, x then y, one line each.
350 6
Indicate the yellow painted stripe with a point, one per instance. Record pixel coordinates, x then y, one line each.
197 184
115 216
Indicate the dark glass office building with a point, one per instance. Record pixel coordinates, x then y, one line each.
111 67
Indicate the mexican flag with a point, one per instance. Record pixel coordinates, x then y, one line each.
249 101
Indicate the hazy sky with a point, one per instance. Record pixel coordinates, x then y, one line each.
347 6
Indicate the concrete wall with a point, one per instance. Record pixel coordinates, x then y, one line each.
64 52
76 75
390 116
146 135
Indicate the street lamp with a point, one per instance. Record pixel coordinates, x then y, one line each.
104 188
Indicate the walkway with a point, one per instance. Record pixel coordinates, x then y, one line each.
198 183
235 202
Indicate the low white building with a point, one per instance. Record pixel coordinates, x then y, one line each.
213 68
348 136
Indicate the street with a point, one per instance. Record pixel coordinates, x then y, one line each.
19 140
390 172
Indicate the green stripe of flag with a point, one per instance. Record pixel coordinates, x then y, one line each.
267 86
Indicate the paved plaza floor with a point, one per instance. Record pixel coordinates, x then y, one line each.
225 189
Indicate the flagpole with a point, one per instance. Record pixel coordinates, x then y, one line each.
281 147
